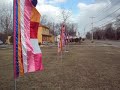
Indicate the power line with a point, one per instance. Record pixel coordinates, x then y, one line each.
107 15
103 9
110 21
107 22
108 8
104 24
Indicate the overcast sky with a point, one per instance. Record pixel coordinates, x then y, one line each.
81 11
5 2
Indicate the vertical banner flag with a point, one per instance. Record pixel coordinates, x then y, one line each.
61 42
67 39
27 53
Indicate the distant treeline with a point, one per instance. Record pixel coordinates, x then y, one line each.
106 32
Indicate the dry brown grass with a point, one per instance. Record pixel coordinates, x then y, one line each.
82 68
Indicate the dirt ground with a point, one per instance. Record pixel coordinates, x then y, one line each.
84 67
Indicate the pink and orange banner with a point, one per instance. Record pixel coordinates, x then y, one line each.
61 42
27 53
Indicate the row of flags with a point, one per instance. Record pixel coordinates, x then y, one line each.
27 53
63 39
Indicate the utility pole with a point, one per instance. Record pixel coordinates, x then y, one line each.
92 27
84 32
53 29
116 34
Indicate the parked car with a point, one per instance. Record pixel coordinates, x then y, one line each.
45 43
1 42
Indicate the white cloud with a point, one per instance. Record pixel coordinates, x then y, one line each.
56 1
5 2
91 10
60 0
52 12
41 2
97 9
91 7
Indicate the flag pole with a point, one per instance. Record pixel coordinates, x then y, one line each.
61 55
68 46
15 83
68 42
57 51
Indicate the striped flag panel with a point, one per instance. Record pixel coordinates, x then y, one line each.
27 53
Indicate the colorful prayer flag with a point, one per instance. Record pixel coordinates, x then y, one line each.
61 42
27 53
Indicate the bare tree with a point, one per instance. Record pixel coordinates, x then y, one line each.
44 20
88 35
65 15
109 31
6 19
55 27
117 23
51 24
71 29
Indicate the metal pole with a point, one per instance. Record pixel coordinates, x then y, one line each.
84 32
61 56
92 28
13 47
15 83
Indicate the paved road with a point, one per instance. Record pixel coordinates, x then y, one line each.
102 43
111 43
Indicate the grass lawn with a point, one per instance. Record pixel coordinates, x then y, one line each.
82 68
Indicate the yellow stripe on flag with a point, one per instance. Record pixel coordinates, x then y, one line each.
21 72
35 15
